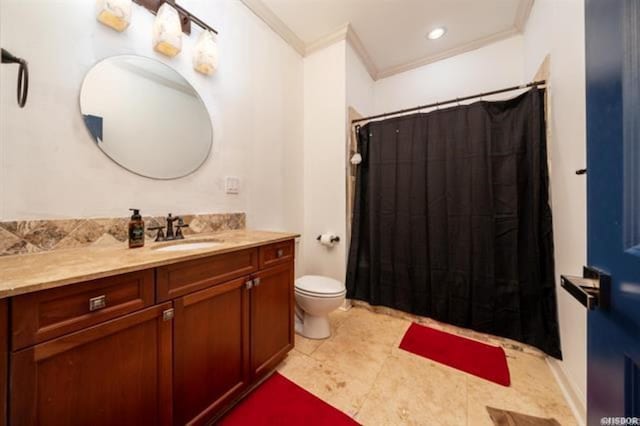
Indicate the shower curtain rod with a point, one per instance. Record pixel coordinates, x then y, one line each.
466 98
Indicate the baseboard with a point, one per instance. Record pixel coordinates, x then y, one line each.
571 394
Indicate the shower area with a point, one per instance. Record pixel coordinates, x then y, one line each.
451 216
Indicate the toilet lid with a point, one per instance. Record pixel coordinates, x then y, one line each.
316 284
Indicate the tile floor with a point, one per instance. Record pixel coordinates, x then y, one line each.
361 371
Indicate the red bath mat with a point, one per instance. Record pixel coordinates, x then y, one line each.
280 402
479 359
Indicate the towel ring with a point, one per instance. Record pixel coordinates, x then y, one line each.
23 76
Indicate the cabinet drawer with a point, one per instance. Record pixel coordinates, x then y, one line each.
185 277
275 254
41 316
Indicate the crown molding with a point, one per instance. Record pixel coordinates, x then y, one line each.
347 33
327 40
276 24
358 46
426 60
522 14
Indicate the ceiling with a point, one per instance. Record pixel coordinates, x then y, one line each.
390 35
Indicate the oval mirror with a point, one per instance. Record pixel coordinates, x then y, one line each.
146 117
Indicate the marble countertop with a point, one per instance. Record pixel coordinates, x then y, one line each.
26 273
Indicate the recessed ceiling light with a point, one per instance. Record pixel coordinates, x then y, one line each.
436 33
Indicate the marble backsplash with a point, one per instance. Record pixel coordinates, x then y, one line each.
33 236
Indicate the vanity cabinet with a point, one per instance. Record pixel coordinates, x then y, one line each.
173 345
118 372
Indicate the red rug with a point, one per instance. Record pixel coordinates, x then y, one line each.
479 359
279 401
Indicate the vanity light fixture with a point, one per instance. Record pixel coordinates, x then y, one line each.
114 13
170 22
436 33
205 53
167 31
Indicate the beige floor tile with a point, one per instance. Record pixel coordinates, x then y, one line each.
306 346
361 344
374 327
353 355
411 390
333 386
533 391
361 371
338 316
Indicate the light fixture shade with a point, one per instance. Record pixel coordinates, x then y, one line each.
167 31
114 13
205 53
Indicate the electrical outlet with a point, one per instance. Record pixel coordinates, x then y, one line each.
232 184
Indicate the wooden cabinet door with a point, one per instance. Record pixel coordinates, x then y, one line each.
272 309
4 360
115 373
211 350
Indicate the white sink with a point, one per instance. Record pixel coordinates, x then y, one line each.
189 246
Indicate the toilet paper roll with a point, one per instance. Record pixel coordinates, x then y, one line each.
328 240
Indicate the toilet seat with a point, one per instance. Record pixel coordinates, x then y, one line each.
320 295
318 286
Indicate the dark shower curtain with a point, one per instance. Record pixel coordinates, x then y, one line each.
452 219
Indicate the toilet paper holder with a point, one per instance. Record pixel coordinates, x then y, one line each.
334 239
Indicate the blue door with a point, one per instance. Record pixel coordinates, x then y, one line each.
613 187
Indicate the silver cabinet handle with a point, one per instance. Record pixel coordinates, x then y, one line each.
279 253
249 284
256 282
98 302
167 314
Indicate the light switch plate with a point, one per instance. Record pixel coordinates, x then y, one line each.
232 184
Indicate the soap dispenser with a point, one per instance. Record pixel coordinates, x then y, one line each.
136 229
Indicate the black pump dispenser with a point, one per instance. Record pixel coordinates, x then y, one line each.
136 229
136 214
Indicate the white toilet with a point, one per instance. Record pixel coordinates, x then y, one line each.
316 297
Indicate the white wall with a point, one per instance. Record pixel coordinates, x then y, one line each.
50 168
495 66
359 83
335 78
324 159
556 27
